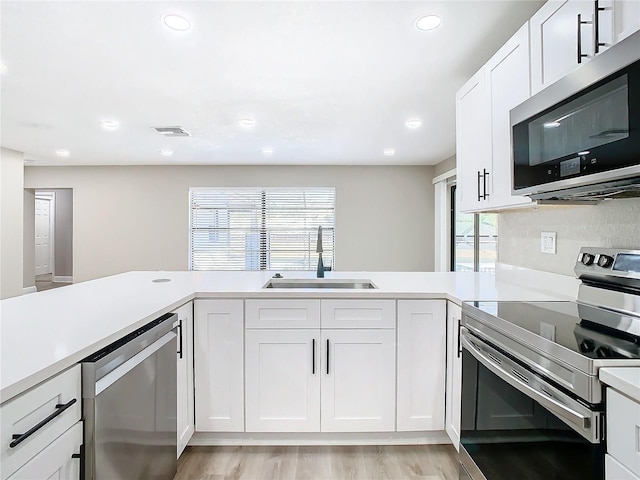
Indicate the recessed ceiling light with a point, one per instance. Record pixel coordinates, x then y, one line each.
413 123
176 22
63 153
428 22
110 124
551 125
267 151
166 152
247 122
389 151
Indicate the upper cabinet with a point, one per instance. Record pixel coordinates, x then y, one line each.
568 33
483 131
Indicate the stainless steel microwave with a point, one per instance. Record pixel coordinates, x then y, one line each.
580 137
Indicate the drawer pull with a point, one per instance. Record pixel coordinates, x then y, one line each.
19 438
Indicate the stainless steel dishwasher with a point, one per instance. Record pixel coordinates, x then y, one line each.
129 406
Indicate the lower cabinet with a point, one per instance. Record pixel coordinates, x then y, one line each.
185 398
219 365
358 380
320 379
623 436
282 379
59 460
454 373
422 337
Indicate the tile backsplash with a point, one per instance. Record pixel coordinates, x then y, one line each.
612 223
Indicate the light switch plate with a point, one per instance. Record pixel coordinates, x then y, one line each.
548 242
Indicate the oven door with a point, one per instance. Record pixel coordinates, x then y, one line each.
515 425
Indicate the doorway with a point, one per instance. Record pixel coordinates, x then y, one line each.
48 249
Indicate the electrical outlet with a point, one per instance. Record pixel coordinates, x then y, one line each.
548 242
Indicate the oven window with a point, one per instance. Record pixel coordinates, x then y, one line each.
510 436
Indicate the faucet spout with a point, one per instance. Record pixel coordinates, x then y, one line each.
321 269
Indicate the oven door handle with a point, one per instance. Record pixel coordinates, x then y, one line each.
576 418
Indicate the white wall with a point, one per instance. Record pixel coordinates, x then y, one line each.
11 222
29 238
137 218
613 223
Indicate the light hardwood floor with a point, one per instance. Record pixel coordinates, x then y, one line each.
415 462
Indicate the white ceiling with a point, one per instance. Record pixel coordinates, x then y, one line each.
329 82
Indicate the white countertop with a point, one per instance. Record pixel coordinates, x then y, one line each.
624 379
43 333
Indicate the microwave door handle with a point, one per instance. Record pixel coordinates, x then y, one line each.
576 418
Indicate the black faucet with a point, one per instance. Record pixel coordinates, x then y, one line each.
321 267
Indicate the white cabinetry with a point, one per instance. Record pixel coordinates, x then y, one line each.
185 397
320 365
454 373
623 436
219 365
358 380
58 460
36 455
421 365
564 34
483 138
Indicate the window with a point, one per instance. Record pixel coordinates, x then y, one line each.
260 228
474 240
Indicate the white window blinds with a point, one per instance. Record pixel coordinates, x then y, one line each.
260 228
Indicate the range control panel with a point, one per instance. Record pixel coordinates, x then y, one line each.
608 261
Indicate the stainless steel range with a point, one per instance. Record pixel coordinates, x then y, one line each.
532 404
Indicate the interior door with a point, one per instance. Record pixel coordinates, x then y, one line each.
43 234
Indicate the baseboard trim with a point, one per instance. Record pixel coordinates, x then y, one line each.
62 279
31 289
299 439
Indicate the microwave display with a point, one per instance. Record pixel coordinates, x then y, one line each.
594 119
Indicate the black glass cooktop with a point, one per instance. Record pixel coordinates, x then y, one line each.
590 331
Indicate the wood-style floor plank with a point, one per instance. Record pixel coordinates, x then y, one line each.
414 462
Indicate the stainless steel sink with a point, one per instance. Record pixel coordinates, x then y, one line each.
320 283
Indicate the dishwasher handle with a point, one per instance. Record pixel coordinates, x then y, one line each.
119 372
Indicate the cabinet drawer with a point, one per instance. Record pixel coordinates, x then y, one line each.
20 414
615 471
358 314
56 460
623 430
282 313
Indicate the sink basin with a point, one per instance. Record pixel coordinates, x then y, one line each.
320 283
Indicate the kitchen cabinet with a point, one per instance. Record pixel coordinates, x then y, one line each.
472 144
358 380
422 341
314 378
623 435
58 460
483 133
564 34
185 395
59 396
454 373
219 365
283 380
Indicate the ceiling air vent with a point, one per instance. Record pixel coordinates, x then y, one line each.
172 131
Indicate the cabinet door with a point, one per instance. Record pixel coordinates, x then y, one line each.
358 380
282 380
507 80
614 470
185 398
55 461
421 364
626 18
472 143
454 373
623 430
554 40
219 365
